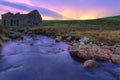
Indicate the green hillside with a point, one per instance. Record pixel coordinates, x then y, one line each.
104 23
106 30
108 23
112 18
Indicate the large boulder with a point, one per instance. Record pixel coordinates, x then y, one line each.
89 64
58 38
83 51
75 47
106 47
103 54
84 39
69 38
91 52
115 58
117 50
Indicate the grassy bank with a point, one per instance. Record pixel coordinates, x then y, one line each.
105 36
106 24
105 30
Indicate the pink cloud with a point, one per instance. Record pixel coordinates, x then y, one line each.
11 9
5 9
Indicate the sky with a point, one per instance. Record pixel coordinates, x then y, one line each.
63 9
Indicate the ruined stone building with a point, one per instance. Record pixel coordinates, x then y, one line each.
28 20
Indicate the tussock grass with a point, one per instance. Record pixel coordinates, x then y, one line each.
111 37
105 36
104 30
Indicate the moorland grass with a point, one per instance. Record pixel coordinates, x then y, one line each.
105 30
105 36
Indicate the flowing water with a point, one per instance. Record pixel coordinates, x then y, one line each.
45 59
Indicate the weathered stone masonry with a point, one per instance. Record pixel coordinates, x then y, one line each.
28 20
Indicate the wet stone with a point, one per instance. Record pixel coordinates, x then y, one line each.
89 64
115 58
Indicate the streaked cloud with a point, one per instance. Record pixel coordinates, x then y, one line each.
78 9
19 1
20 7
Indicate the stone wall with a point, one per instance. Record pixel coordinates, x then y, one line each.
28 20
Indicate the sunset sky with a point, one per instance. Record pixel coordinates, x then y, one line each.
64 9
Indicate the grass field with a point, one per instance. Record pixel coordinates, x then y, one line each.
112 23
105 30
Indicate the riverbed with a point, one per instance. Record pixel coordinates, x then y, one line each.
45 59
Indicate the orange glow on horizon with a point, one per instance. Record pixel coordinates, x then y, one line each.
87 17
69 14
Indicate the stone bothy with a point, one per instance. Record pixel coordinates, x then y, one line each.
31 19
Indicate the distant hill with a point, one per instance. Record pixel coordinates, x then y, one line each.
109 22
111 18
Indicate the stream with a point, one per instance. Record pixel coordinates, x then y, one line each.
46 59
